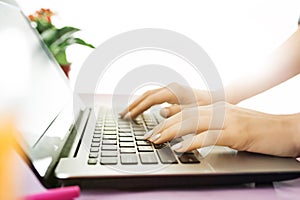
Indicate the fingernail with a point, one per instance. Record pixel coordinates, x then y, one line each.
148 134
155 137
122 113
298 159
176 146
127 116
164 112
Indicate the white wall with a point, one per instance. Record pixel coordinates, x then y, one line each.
237 35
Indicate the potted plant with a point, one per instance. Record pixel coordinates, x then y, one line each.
56 39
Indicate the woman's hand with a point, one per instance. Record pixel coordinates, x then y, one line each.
176 94
242 129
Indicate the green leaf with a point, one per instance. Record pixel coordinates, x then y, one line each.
61 58
62 45
67 31
49 36
82 42
63 39
64 34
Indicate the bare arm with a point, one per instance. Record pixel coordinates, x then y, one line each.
283 65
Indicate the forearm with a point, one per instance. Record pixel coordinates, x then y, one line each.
283 64
277 135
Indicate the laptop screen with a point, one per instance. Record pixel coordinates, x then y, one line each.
32 86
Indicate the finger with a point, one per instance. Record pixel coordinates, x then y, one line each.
169 111
192 114
179 129
158 97
203 139
163 125
137 101
174 109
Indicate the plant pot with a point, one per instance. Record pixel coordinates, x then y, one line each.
66 69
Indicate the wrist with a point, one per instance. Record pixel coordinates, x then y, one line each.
293 126
232 96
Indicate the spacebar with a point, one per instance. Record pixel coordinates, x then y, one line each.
166 155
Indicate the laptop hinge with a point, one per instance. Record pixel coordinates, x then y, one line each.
74 140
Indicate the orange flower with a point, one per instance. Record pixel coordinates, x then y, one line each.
32 18
42 14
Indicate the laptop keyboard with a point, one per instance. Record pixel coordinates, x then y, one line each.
118 141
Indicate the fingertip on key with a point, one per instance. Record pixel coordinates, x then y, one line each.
164 112
127 116
148 134
177 146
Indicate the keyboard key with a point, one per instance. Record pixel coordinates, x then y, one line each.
145 149
188 158
109 153
94 149
160 146
137 125
124 123
143 143
96 136
92 161
98 125
95 145
138 128
139 138
109 128
125 134
109 125
127 144
124 126
110 132
97 132
125 139
93 155
109 121
109 147
166 155
109 137
109 161
175 141
125 130
139 133
180 153
129 159
96 140
148 158
109 142
127 150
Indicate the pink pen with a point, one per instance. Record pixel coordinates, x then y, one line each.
64 193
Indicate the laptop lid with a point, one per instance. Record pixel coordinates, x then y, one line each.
34 89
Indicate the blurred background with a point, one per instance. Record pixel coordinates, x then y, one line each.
238 36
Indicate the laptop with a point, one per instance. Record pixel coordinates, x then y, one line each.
92 147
